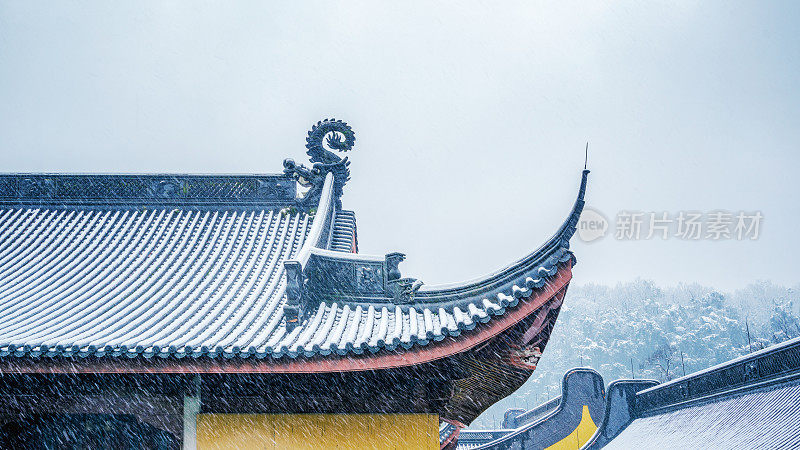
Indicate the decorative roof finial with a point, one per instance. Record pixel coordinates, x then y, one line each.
336 134
333 134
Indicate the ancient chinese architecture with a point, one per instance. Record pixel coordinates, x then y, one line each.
211 311
748 402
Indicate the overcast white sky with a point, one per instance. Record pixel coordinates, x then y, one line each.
470 118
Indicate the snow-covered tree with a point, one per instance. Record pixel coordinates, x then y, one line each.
616 329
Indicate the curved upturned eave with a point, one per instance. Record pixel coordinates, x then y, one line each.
459 308
516 269
527 273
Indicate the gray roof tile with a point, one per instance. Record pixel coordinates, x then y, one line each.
765 418
194 266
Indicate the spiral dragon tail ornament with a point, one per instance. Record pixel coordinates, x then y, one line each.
336 134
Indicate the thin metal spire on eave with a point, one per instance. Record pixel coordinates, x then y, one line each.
586 156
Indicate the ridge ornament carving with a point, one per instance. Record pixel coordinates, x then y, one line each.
325 136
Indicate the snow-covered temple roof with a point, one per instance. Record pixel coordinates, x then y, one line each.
236 266
748 402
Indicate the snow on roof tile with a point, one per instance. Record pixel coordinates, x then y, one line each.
185 265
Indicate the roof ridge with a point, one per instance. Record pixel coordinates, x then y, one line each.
21 189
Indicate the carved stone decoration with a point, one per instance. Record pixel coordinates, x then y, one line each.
137 189
336 134
342 275
750 370
370 278
393 261
404 289
36 187
167 189
313 179
526 356
265 189
28 187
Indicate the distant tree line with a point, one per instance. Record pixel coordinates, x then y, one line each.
641 330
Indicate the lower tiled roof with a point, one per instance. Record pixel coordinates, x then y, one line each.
766 418
749 402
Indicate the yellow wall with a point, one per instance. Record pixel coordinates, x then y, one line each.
580 436
317 431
